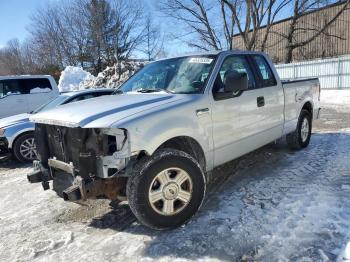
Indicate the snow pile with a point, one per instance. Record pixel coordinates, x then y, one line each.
346 254
71 78
76 78
114 76
335 97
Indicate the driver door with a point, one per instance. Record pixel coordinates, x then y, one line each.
236 119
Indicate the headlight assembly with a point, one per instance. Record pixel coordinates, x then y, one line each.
116 138
2 131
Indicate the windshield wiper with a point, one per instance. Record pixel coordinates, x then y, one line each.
145 90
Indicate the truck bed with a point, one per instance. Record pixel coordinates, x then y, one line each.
296 92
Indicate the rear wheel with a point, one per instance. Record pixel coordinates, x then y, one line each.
24 148
166 190
300 138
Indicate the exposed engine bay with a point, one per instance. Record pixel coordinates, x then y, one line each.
82 162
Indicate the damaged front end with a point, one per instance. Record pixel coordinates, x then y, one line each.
82 162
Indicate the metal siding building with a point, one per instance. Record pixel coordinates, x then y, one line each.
322 47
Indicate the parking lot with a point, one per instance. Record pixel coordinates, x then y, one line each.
271 205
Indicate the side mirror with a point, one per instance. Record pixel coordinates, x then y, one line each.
235 82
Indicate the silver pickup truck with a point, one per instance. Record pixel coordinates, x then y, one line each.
156 141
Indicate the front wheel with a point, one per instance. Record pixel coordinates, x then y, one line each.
300 138
167 189
24 148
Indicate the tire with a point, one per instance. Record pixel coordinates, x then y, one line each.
19 148
148 181
300 138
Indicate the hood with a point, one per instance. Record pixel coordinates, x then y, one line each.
117 107
13 120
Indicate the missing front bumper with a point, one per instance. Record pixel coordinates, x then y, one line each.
75 188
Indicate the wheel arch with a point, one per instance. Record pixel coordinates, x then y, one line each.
308 107
18 135
188 145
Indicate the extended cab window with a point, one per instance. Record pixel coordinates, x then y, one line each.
35 85
265 71
10 87
233 63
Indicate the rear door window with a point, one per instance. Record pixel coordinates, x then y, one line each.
10 87
36 85
265 71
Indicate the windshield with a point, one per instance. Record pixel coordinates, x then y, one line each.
53 103
177 75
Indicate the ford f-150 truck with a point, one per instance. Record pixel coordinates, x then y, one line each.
156 141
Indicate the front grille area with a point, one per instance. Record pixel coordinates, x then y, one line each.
80 146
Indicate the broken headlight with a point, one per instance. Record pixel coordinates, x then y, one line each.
117 154
116 139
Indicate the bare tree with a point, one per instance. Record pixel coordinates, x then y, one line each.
13 56
129 29
251 15
90 33
99 16
153 41
215 24
18 58
228 24
200 18
310 31
51 37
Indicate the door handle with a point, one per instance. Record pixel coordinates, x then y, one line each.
202 111
260 101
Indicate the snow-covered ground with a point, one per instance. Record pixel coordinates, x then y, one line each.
336 98
271 205
335 110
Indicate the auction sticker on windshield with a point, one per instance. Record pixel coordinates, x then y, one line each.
201 60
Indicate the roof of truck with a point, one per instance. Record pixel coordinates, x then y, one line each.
217 52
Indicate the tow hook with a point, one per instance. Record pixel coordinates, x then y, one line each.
76 191
35 177
72 193
40 174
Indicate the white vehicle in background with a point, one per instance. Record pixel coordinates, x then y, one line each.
23 94
17 132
